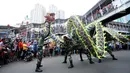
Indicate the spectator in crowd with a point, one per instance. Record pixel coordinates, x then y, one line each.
124 46
120 46
111 45
29 44
110 7
58 47
51 47
5 54
117 45
1 44
104 10
25 48
128 45
56 50
98 14
35 43
20 45
16 49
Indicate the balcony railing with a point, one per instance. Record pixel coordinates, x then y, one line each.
105 10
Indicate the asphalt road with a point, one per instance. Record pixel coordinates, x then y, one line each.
54 65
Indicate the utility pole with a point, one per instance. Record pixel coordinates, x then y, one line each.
8 30
26 32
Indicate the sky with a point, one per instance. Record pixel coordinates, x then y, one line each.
14 11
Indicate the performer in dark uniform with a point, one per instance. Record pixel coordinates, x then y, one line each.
70 46
49 19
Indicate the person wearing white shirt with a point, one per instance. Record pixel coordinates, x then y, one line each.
117 45
128 43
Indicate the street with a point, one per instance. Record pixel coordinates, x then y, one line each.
54 65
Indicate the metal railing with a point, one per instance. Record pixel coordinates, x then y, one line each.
107 9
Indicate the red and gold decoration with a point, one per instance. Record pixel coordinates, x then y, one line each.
50 17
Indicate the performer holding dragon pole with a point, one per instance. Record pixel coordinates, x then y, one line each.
49 19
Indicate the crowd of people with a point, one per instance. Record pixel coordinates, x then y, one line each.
115 45
17 50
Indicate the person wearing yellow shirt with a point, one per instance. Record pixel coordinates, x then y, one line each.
25 48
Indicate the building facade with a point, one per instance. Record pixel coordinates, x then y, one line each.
102 8
37 14
119 27
60 14
33 31
59 27
37 17
4 31
53 9
124 19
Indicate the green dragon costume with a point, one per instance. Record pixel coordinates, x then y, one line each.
97 49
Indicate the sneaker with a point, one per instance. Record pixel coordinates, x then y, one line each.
70 66
99 61
115 59
41 65
38 70
64 62
91 62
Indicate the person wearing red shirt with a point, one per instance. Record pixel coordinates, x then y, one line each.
20 45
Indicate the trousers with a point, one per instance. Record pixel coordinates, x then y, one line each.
39 57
